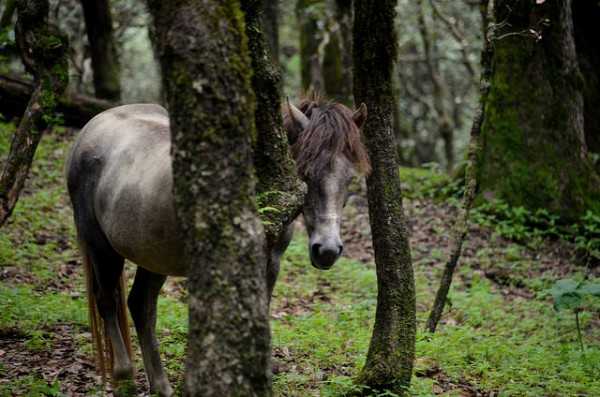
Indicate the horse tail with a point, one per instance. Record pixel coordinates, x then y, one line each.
99 339
103 354
122 314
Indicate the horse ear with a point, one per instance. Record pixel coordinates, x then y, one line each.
360 115
296 123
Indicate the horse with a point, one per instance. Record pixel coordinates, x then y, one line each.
119 179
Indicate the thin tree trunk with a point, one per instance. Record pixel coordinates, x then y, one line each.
337 53
206 76
392 349
440 90
460 228
44 53
105 61
278 185
310 40
345 19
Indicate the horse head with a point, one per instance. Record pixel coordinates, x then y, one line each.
326 144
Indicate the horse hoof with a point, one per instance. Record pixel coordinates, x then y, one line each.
122 373
163 389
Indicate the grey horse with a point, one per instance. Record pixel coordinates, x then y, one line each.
119 180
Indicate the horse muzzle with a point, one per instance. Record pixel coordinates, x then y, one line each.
323 256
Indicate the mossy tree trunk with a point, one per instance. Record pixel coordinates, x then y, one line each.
270 24
44 53
326 47
534 151
392 349
105 61
586 15
279 189
206 73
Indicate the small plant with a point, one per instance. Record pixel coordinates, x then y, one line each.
588 240
38 341
569 294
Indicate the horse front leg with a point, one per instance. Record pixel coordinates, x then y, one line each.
275 258
142 305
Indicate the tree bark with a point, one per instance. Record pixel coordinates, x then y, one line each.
105 61
75 109
44 53
206 78
9 10
337 54
586 15
270 24
308 13
460 228
279 187
440 89
345 20
534 152
392 349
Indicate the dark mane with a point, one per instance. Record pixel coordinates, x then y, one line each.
331 132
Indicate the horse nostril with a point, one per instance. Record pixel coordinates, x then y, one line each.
315 250
340 249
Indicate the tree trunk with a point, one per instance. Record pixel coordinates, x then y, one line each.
345 20
586 15
392 349
206 77
9 10
74 109
534 151
440 89
44 53
270 24
278 185
105 61
308 13
337 54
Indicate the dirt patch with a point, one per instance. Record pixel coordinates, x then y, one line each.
59 359
430 224
444 384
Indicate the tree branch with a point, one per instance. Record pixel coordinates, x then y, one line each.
76 109
43 50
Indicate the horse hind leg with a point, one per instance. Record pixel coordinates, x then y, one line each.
108 293
142 305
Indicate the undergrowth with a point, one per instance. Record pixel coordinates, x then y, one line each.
321 320
529 227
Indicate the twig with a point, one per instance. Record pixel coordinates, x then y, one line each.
460 228
458 36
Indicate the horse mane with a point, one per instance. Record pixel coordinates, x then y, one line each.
331 132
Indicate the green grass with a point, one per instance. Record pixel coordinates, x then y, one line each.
322 320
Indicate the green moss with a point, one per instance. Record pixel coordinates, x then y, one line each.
528 159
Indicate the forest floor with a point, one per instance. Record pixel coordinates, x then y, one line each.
500 335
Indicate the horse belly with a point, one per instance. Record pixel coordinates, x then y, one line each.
140 225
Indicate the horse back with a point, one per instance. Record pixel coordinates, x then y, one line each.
120 181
